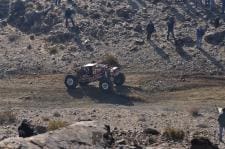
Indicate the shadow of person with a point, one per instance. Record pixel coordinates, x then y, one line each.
160 51
179 43
213 60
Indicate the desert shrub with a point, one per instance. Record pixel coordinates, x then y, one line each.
13 37
110 60
45 118
194 111
174 134
56 124
53 50
7 117
56 114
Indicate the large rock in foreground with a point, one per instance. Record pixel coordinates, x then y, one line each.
79 135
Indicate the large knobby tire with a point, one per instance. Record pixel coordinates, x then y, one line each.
105 86
71 81
119 79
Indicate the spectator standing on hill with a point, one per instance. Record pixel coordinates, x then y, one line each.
223 6
221 121
57 2
211 4
200 32
170 27
216 22
197 2
207 2
150 30
69 16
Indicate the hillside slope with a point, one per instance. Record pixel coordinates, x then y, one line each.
32 42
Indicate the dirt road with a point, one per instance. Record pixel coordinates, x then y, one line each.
49 90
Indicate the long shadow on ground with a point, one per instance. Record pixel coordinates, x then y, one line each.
119 96
213 60
160 52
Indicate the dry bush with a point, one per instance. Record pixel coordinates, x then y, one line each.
174 134
13 37
44 118
53 50
110 60
56 114
56 124
7 117
194 111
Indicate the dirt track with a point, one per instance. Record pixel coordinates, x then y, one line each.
146 100
49 90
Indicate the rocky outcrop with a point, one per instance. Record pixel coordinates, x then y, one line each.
202 143
88 134
215 38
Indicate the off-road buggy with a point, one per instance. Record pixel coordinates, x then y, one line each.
93 72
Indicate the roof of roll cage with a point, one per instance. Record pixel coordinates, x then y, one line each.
90 65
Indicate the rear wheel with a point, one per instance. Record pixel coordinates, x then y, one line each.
71 81
119 79
105 85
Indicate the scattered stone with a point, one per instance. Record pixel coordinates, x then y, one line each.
151 131
121 142
139 41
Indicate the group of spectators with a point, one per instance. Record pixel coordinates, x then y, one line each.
150 29
200 30
210 3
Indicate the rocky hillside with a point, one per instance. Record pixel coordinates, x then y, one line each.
34 39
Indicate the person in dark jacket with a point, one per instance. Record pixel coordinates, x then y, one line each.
25 129
68 16
221 121
170 27
200 32
223 6
150 30
216 22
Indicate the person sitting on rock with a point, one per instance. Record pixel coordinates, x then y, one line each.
216 22
25 129
68 15
170 27
200 32
150 29
221 121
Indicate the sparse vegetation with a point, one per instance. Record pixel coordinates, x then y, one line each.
53 50
44 118
7 117
56 124
174 134
194 111
110 60
56 114
13 37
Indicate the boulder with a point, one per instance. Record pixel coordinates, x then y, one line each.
125 13
88 134
202 143
151 131
215 38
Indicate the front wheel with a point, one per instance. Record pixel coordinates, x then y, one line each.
105 85
119 79
71 81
